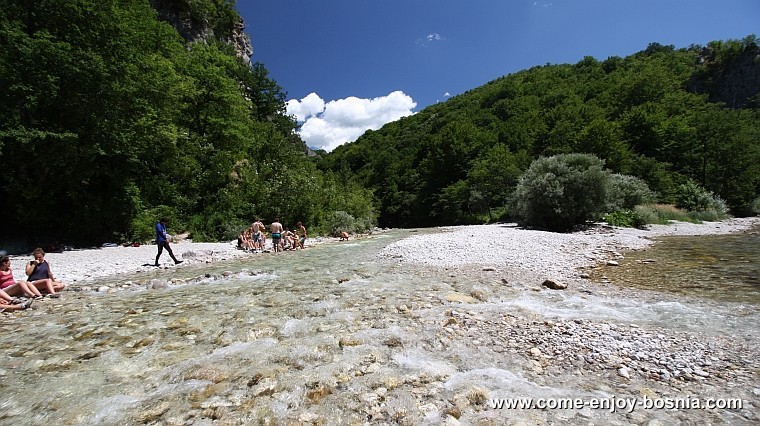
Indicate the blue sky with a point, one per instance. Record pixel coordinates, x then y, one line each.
349 66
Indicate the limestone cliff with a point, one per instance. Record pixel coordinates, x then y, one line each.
733 78
196 21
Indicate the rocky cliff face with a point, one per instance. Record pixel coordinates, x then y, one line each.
734 83
192 26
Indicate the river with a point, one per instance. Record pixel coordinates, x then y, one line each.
337 335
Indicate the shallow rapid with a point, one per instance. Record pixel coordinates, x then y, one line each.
338 334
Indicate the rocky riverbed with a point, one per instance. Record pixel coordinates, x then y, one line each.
380 330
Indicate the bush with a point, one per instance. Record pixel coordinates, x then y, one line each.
626 192
756 206
214 227
625 219
561 191
664 213
694 198
339 221
364 224
647 214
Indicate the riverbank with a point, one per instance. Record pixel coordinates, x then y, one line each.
559 255
85 266
343 334
501 245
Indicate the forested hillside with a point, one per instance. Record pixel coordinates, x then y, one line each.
668 116
110 117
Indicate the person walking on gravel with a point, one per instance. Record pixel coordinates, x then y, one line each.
162 241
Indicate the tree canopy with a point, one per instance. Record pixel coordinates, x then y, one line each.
111 116
664 115
109 119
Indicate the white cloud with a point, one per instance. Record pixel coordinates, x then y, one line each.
309 106
428 39
328 125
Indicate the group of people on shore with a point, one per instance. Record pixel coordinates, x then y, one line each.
40 282
254 238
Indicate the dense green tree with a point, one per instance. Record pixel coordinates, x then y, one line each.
110 117
664 115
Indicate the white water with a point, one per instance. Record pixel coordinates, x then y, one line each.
290 342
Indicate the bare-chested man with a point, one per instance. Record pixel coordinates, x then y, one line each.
257 235
276 229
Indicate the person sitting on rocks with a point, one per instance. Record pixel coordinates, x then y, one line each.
244 240
8 303
41 276
288 240
250 244
9 285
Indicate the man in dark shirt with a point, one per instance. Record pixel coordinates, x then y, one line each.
162 241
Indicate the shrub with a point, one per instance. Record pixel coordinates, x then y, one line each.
626 192
707 216
339 221
625 219
364 224
664 213
756 206
693 197
215 227
561 191
648 215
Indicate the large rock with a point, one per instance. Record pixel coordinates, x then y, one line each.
554 284
158 284
461 298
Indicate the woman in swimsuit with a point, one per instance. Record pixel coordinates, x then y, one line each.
40 274
10 287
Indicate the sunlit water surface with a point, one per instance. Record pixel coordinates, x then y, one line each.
713 267
306 332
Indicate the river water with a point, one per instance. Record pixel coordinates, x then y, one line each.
713 267
330 335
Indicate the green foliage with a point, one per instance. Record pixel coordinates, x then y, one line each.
664 213
654 115
561 191
109 120
756 206
648 214
692 197
142 228
340 221
625 219
626 192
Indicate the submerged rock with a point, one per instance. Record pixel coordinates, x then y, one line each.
461 298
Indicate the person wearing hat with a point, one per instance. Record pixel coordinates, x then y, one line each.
162 241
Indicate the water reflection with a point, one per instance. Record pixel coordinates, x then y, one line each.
714 267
